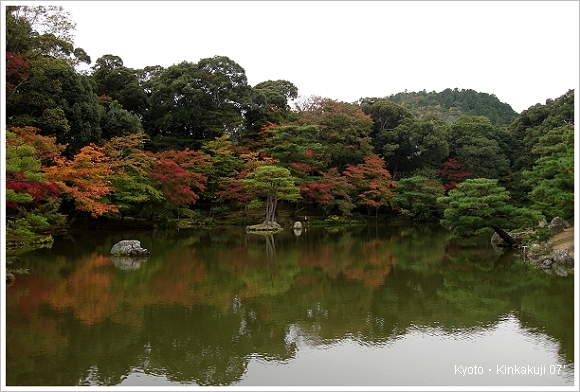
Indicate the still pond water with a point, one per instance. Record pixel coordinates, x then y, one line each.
367 306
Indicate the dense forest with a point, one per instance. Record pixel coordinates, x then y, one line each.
195 140
449 105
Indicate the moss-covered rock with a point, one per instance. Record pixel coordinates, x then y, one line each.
271 227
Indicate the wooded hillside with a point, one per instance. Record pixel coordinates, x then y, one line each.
449 105
196 140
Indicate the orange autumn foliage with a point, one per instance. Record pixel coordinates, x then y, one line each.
85 179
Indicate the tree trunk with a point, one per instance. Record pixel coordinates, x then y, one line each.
271 204
504 236
267 217
73 219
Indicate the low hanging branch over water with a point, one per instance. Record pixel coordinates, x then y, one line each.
478 204
504 236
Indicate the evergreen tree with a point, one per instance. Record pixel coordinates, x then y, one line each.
275 184
416 197
552 177
479 204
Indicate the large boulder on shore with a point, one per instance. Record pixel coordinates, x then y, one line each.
129 248
556 225
562 257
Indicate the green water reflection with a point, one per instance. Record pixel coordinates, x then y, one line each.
208 303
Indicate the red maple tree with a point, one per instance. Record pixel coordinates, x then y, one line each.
453 173
178 173
373 182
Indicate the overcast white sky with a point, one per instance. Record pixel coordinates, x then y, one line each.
523 52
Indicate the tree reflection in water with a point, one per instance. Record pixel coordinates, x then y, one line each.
208 303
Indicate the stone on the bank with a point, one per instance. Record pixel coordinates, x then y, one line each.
535 248
556 225
547 263
562 257
538 259
129 248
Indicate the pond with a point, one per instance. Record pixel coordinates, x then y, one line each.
364 306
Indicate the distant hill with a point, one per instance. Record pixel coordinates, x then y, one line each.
449 105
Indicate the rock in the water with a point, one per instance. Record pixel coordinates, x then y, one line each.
271 227
129 248
297 225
